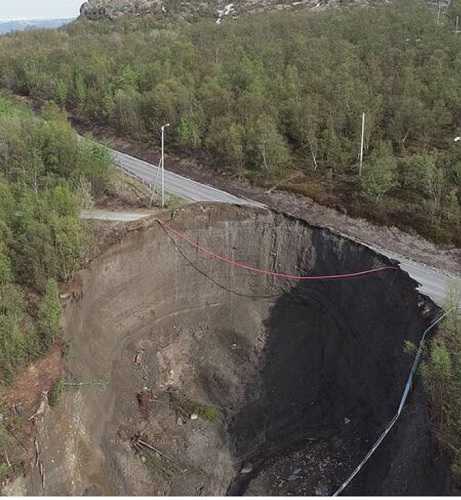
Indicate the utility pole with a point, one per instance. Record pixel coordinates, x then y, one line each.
163 163
457 25
362 144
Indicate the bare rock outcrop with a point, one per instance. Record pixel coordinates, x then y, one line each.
186 9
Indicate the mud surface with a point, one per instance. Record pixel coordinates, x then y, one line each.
192 377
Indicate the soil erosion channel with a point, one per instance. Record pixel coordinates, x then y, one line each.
195 377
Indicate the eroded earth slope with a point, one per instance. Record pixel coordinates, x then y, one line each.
189 376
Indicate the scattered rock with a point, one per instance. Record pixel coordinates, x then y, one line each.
138 357
322 490
294 475
246 469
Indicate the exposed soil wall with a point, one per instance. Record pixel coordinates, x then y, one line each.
241 383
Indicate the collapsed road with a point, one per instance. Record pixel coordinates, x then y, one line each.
433 282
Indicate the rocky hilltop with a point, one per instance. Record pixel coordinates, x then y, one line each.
186 9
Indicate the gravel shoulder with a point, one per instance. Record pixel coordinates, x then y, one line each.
112 216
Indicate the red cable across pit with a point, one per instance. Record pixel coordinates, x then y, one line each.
247 267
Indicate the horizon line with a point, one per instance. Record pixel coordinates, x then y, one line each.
12 19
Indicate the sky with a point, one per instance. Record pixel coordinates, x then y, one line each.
39 9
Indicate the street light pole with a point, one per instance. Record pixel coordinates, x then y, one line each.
361 145
163 163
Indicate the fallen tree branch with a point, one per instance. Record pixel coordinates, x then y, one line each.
283 181
42 406
37 452
42 474
82 384
5 453
139 443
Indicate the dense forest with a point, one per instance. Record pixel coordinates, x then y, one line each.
46 173
273 93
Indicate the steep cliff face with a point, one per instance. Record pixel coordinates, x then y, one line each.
186 9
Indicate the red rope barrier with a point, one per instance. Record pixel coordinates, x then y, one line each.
247 267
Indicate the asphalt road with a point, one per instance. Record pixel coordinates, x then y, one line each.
433 282
176 184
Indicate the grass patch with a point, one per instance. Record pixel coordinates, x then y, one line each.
55 393
186 407
209 413
4 470
173 202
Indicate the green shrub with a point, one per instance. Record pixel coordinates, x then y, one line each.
441 373
49 316
13 350
415 172
379 174
209 413
56 392
44 169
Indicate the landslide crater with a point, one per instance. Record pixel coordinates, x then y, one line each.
194 377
